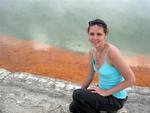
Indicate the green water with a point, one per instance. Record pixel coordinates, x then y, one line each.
63 23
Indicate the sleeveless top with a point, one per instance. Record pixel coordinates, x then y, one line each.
109 77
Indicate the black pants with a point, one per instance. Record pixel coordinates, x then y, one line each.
84 101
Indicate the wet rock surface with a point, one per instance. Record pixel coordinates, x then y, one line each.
25 93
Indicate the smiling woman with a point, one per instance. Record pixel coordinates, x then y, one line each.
114 75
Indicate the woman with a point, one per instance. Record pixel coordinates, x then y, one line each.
114 75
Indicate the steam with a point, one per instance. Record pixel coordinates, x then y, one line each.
139 60
39 38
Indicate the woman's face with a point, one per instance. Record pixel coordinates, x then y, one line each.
97 36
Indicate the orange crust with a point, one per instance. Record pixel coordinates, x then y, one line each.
26 56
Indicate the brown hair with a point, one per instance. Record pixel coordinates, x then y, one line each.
98 22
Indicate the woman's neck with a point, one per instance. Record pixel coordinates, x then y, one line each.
102 48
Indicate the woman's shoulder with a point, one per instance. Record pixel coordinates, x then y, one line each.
114 55
114 51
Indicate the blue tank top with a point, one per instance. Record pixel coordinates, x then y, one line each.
109 77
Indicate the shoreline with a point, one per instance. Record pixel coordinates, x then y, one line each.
25 92
33 57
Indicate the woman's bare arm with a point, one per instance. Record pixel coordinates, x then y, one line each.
90 73
117 61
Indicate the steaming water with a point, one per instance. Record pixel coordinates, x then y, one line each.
63 23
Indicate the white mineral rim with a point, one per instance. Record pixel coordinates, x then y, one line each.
22 92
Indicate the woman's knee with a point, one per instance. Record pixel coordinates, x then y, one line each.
78 93
72 107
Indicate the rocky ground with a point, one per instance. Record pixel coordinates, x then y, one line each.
26 93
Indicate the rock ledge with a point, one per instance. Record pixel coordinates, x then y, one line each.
22 92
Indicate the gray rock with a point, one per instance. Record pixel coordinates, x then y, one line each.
26 93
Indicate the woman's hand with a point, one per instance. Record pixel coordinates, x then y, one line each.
99 91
